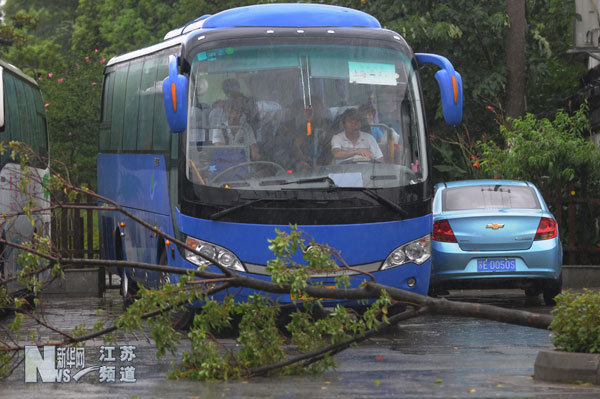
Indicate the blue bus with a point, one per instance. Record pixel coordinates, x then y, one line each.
259 117
22 119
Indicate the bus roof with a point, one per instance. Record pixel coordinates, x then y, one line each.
13 69
291 15
144 51
281 15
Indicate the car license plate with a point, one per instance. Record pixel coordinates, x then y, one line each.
496 265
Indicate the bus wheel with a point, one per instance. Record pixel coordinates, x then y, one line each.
181 318
128 289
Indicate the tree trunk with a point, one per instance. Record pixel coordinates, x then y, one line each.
515 58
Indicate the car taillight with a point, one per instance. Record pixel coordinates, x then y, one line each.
546 229
442 231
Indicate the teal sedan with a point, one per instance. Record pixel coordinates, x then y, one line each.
495 234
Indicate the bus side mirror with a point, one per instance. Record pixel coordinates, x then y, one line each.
1 97
450 84
175 97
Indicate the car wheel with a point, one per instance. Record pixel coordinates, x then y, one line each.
552 289
532 292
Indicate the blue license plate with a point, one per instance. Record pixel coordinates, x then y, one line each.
496 265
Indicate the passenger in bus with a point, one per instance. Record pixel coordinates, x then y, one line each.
321 133
302 136
246 105
235 129
280 143
311 138
352 143
232 89
385 135
389 100
367 112
199 115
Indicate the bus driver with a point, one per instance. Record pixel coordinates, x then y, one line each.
352 142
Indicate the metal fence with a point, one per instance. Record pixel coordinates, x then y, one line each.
75 233
74 230
578 219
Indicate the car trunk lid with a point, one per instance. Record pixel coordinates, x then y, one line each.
502 230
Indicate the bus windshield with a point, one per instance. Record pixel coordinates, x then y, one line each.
280 117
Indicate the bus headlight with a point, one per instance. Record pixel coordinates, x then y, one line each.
417 251
225 257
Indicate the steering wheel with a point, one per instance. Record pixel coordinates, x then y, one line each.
356 159
249 163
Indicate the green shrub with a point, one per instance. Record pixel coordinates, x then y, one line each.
576 324
543 151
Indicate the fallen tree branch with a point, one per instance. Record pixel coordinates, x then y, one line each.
371 290
333 349
108 330
467 309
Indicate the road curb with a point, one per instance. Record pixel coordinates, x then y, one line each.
567 367
78 283
581 276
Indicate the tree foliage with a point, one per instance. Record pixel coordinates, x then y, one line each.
73 106
119 26
549 153
472 34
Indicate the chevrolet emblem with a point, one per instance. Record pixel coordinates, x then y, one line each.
494 226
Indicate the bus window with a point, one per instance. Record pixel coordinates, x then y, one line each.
118 108
132 100
161 136
147 96
13 121
106 121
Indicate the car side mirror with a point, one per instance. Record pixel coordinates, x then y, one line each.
175 97
450 84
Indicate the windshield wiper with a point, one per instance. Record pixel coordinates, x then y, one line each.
327 179
382 200
226 211
366 190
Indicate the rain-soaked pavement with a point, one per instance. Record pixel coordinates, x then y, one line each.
428 357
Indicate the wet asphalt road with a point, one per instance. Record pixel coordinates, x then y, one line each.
428 357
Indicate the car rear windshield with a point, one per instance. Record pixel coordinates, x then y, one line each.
489 197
